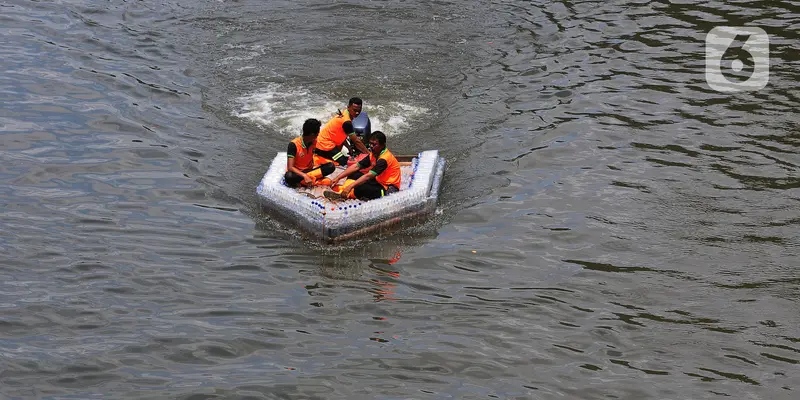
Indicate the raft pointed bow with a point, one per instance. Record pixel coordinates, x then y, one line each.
336 221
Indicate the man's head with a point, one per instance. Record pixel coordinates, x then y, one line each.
377 142
354 107
311 130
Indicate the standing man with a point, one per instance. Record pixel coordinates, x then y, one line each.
382 179
300 159
335 133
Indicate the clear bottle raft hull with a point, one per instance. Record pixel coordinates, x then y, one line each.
335 221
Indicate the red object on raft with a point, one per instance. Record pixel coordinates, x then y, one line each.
353 160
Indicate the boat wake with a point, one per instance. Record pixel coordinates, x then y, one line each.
285 109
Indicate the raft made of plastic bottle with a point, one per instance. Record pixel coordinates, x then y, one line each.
333 221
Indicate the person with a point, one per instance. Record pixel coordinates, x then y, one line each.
335 133
300 168
382 179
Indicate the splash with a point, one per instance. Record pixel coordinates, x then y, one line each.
285 109
394 118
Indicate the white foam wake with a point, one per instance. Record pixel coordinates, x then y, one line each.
285 109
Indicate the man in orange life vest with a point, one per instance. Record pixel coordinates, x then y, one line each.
382 179
300 159
335 133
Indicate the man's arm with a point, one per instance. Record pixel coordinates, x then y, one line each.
378 169
349 170
358 182
358 143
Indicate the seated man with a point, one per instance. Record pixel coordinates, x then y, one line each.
382 179
335 133
300 159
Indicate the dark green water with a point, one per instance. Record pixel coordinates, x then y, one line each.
609 225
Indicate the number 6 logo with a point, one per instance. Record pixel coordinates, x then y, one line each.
722 45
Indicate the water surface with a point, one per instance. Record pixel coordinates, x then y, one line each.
609 226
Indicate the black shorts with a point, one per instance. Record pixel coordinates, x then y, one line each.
371 189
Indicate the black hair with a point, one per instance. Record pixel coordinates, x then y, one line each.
311 127
348 127
355 100
380 136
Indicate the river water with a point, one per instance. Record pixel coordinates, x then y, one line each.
609 225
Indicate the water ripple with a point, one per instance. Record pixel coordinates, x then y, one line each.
607 219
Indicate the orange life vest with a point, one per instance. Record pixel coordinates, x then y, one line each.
391 175
332 135
304 160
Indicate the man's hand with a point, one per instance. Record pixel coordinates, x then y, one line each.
309 180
